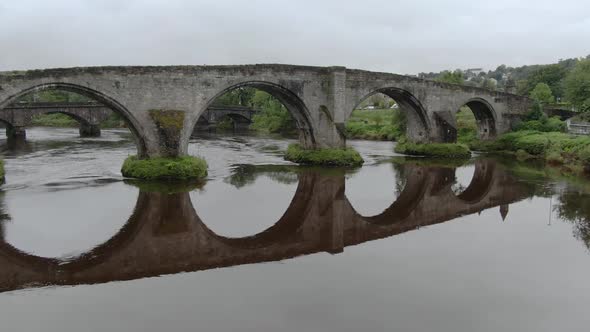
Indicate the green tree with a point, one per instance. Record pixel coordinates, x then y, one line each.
489 84
542 94
553 75
273 116
577 85
455 77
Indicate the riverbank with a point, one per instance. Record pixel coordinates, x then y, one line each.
570 153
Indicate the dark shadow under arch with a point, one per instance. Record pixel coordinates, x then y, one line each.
237 118
485 117
6 124
289 99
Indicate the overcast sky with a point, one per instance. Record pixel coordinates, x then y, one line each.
386 35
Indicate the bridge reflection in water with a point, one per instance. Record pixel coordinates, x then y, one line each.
165 235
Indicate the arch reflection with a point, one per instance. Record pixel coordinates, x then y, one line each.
165 234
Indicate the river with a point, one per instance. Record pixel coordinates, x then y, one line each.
397 245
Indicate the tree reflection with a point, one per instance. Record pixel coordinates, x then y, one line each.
574 206
244 175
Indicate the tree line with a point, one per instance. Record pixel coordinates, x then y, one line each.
567 81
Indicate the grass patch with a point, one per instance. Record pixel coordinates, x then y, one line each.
435 150
380 124
325 157
180 168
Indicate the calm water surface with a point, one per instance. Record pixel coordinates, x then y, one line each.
263 245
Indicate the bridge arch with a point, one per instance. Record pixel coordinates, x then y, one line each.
132 123
292 102
418 123
486 117
7 124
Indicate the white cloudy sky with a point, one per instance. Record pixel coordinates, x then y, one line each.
386 35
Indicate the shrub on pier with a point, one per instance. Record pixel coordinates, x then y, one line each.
179 168
437 150
346 157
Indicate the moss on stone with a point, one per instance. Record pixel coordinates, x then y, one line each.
168 119
437 150
325 157
169 124
179 168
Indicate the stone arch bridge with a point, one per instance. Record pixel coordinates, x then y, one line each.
18 116
165 235
162 104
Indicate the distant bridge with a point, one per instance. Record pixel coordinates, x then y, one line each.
89 115
165 235
241 117
18 116
564 112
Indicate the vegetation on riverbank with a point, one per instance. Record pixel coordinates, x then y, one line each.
180 168
347 157
569 152
377 124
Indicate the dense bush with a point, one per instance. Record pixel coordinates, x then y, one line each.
543 124
554 147
324 157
